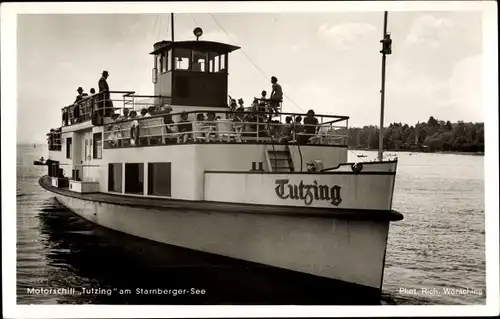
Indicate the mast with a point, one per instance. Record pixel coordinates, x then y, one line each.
172 25
386 49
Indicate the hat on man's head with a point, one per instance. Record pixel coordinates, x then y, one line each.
79 89
105 73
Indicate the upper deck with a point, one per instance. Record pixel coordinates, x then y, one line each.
190 105
169 124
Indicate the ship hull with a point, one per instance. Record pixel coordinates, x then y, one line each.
349 251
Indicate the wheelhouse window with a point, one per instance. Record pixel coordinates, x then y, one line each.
159 62
199 62
115 177
182 59
69 150
216 62
169 60
164 58
222 63
134 178
160 179
97 146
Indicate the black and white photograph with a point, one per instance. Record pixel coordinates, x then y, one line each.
250 154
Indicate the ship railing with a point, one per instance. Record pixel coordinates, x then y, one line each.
162 129
85 173
106 104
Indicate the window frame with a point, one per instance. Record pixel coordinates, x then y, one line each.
110 171
150 179
96 150
143 179
69 147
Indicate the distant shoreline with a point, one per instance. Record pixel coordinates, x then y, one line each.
436 152
362 150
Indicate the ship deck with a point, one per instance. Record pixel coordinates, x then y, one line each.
207 206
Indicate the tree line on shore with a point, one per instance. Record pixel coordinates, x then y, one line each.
431 136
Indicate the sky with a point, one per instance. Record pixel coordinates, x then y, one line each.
329 61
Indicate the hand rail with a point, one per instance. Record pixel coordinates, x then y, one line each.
117 133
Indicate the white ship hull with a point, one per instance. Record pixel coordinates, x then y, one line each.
344 243
351 251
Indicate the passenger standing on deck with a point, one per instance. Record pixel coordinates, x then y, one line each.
276 94
79 97
241 107
103 87
76 107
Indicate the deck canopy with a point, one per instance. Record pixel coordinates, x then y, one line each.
203 46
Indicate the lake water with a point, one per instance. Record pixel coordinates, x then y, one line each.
438 246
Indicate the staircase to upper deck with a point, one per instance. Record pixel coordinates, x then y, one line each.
279 160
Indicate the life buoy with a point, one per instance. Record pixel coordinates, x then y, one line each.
357 167
134 134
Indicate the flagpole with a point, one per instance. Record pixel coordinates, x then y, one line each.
172 25
382 94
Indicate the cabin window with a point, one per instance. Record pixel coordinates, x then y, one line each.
182 58
169 60
164 58
69 143
213 62
222 63
115 177
97 146
159 179
216 63
134 178
199 62
159 62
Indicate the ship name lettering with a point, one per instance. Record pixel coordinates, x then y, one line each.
308 192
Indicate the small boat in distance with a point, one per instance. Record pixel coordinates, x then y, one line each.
41 161
237 183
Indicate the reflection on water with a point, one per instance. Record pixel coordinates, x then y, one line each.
440 243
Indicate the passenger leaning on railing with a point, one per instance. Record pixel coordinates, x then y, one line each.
232 107
286 129
210 126
298 129
238 121
76 107
124 116
310 126
144 113
250 120
185 128
134 129
152 110
170 128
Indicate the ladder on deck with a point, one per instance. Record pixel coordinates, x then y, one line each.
280 160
